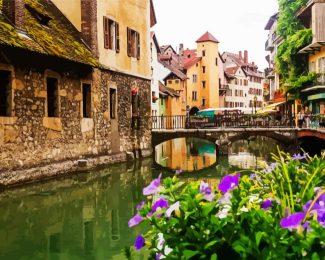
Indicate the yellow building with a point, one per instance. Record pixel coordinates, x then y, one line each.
203 71
312 16
123 43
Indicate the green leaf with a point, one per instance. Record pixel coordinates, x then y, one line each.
214 257
258 237
211 243
188 254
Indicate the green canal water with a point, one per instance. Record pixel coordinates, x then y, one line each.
85 216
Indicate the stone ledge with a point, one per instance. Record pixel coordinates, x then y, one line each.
57 169
10 120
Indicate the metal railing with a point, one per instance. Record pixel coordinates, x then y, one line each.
221 121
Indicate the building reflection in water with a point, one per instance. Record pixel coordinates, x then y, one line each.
81 217
187 154
252 153
85 216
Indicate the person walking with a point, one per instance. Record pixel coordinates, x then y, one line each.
307 117
301 117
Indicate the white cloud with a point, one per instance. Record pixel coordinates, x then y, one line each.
237 24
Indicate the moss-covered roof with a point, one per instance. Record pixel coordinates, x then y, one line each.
58 38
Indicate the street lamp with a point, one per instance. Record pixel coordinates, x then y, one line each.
255 102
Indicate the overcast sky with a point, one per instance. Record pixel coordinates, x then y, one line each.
237 24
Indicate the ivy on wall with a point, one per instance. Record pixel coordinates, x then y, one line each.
292 66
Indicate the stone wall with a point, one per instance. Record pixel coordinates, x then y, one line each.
30 139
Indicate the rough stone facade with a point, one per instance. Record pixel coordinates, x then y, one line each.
30 139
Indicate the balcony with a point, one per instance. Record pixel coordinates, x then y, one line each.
269 45
223 88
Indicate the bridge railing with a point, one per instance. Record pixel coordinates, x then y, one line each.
220 121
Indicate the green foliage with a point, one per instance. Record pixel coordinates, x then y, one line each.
290 65
234 225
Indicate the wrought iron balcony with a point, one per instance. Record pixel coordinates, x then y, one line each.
268 45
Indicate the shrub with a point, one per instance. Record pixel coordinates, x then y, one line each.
276 213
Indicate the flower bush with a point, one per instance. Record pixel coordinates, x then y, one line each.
277 213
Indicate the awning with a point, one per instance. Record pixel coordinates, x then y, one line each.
313 88
312 48
270 108
266 111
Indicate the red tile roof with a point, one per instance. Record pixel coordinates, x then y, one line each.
207 37
190 62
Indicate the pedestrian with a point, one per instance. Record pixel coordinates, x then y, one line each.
301 117
307 117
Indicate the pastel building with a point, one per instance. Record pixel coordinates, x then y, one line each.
245 82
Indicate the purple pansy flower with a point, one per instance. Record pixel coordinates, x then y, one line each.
135 220
158 256
318 208
139 242
270 168
140 206
160 203
178 171
206 189
297 156
229 183
266 204
252 176
292 221
153 187
171 209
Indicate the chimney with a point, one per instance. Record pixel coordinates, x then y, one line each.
89 24
15 11
246 56
181 48
240 55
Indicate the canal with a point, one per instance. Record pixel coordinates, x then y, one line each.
85 216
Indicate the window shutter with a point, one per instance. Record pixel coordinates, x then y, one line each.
106 33
138 46
129 41
117 37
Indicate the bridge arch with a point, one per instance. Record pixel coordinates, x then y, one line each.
223 136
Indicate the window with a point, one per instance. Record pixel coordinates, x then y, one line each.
111 35
203 102
170 82
52 97
133 43
194 78
203 83
194 96
112 103
203 69
5 93
176 81
203 53
86 100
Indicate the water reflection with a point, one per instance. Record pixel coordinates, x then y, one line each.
85 216
188 154
81 217
252 153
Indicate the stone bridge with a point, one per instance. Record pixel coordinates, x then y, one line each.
222 137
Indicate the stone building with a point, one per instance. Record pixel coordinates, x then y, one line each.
74 85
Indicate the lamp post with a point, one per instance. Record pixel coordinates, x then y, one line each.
255 102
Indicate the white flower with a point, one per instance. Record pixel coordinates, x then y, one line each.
225 199
167 250
161 241
244 209
171 209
